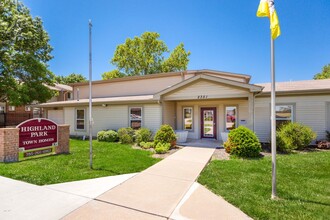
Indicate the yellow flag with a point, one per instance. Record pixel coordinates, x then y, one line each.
267 9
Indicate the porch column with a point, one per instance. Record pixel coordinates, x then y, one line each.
251 111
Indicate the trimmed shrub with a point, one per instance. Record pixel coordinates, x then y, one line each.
293 136
243 142
142 135
165 134
108 136
147 145
126 135
162 148
100 135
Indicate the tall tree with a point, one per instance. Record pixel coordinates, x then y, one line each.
325 74
72 78
24 53
145 55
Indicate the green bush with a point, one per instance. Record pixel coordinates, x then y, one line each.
126 135
142 135
100 135
165 134
108 136
243 142
162 148
293 136
147 145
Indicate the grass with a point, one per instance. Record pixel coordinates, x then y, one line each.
108 159
302 185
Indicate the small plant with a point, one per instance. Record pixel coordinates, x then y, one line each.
165 134
243 142
147 145
162 148
126 135
108 136
293 136
142 135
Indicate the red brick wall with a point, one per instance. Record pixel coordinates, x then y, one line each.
9 144
63 139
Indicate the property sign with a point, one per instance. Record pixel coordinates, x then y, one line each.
37 133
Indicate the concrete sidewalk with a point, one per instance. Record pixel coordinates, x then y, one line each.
166 190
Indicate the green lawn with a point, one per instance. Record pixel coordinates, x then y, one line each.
109 159
303 185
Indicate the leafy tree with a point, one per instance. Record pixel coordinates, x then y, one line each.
72 78
24 53
325 74
112 74
177 61
145 55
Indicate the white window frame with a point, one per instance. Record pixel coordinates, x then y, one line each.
27 108
2 109
11 108
191 117
130 119
76 119
236 115
292 112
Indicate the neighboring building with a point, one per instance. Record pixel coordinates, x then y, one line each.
206 103
13 115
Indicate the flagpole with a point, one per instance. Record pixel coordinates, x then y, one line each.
90 98
273 117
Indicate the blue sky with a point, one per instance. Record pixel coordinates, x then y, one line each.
221 35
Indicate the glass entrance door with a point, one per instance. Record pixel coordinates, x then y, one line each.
208 123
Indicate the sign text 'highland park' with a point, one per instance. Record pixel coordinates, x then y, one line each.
37 133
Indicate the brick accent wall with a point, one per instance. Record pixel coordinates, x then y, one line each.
9 144
63 139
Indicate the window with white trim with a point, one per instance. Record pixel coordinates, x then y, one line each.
231 117
284 114
11 108
27 108
80 119
188 118
135 117
2 109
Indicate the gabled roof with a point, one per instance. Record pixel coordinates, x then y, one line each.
306 86
250 87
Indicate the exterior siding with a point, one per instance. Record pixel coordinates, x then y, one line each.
56 115
111 117
309 110
169 115
206 89
152 117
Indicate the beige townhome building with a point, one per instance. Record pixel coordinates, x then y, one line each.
205 103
